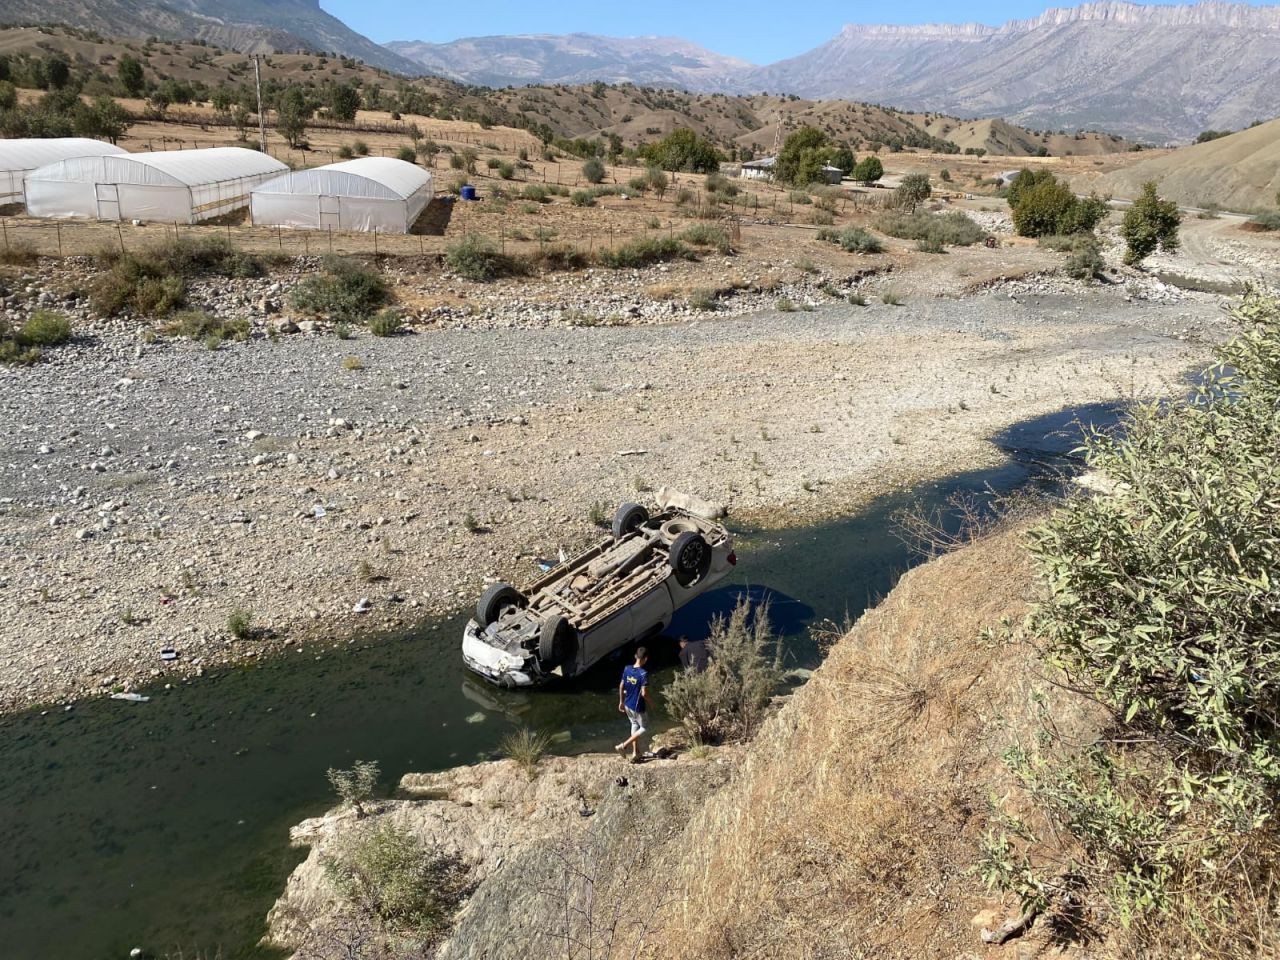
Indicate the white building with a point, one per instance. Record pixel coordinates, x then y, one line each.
761 169
19 157
181 186
369 193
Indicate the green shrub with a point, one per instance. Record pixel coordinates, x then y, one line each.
386 323
645 251
852 240
891 298
800 197
1084 259
717 183
1161 600
583 198
705 235
1149 224
407 154
785 305
345 152
153 281
240 624
506 170
536 192
930 245
951 229
204 327
727 701
557 257
868 170
1046 205
593 170
656 180
346 290
355 786
44 328
360 148
399 895
474 258
1267 220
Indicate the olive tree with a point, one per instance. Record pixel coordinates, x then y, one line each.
1150 224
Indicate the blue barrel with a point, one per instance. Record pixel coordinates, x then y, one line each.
468 192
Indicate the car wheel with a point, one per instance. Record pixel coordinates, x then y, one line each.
690 558
496 600
630 517
557 641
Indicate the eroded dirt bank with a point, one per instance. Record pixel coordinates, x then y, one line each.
151 491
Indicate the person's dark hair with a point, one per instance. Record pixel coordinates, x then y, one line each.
642 653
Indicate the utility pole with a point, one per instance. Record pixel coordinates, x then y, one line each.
262 119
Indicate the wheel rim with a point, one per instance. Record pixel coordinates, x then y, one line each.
691 558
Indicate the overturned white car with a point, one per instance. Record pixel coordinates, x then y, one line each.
625 588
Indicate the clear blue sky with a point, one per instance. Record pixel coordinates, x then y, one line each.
758 30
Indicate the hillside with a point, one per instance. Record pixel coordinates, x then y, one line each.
1237 172
575 59
634 113
1146 71
248 26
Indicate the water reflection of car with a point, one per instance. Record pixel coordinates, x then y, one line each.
624 589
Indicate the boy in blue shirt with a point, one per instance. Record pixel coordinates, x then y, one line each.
633 700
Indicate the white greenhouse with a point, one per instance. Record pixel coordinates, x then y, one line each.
367 194
19 157
181 186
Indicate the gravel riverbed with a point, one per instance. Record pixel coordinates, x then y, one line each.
335 487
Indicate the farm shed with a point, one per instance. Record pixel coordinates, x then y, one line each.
761 169
370 193
19 157
180 186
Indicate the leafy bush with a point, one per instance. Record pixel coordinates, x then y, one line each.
44 328
356 785
557 257
153 281
952 229
593 170
506 170
1268 220
802 157
345 152
536 192
1161 606
852 240
727 701
386 876
868 170
930 245
407 154
240 623
1148 224
682 150
386 323
1048 206
645 251
705 235
582 198
1084 260
474 258
347 290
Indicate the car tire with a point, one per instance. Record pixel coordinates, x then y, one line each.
494 600
629 517
690 558
557 641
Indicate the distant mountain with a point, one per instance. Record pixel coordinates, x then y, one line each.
575 58
251 26
1148 71
1155 72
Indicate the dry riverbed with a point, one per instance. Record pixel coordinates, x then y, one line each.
150 491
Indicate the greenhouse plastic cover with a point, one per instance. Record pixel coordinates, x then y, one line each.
369 193
181 185
18 157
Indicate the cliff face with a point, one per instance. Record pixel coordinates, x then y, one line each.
847 827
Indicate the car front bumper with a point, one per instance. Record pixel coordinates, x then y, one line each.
496 666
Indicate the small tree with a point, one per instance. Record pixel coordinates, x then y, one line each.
593 170
355 786
727 700
103 119
343 102
240 120
913 190
1149 224
292 114
159 103
656 180
802 157
868 170
129 73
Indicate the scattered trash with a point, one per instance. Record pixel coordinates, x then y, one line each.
317 511
363 606
131 697
632 453
168 653
477 717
